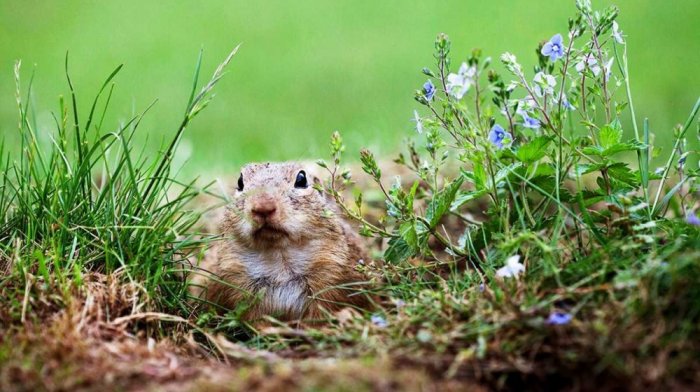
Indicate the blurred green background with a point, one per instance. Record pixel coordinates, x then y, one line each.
307 68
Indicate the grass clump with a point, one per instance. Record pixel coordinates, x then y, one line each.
84 199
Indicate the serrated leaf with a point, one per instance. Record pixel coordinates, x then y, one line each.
592 150
610 135
397 251
621 173
620 147
586 168
442 200
535 150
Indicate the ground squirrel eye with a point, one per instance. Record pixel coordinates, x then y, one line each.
301 180
240 183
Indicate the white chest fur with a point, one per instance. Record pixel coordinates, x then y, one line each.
279 275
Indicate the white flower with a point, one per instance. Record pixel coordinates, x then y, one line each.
419 122
458 84
397 182
617 33
511 63
512 86
544 84
590 63
608 68
512 269
525 106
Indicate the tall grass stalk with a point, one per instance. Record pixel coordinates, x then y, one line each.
89 201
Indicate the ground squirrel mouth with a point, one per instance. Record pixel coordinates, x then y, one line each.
268 232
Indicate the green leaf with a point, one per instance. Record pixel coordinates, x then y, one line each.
535 150
411 196
507 171
620 147
477 176
610 135
541 170
549 185
409 235
465 197
669 195
397 251
622 177
442 200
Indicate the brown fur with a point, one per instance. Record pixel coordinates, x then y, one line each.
285 250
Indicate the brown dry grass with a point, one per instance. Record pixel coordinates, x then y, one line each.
79 342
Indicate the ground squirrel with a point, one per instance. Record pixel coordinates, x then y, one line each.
286 250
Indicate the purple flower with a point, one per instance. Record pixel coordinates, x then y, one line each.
554 48
429 90
529 122
499 137
559 318
692 219
379 321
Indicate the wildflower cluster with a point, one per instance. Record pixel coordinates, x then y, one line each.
511 165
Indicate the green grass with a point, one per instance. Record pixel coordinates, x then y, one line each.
306 69
94 202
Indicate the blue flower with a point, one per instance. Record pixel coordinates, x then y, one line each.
566 104
499 137
379 321
554 48
559 318
529 122
429 90
692 219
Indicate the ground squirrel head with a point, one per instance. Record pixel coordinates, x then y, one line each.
275 204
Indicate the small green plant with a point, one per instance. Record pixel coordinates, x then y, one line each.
543 156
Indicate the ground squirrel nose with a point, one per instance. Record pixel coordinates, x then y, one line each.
263 208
